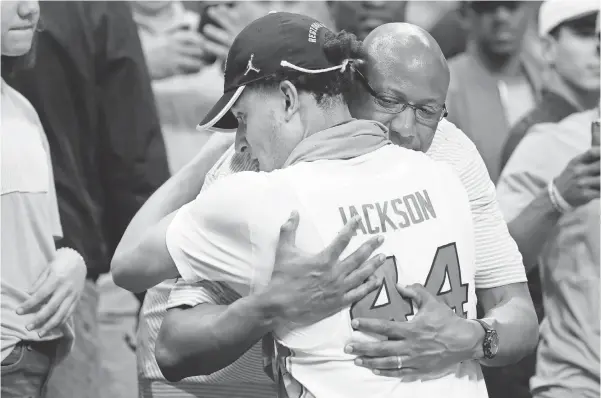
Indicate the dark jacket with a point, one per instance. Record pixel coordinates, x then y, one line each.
91 88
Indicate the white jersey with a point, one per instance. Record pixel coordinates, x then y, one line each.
230 233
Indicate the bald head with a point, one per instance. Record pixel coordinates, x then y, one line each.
408 50
404 66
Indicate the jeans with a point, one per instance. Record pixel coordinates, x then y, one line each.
78 375
26 369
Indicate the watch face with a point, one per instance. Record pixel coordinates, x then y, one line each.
494 343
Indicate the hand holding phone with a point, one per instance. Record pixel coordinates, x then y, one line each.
221 23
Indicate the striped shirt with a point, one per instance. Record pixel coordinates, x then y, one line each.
242 379
498 260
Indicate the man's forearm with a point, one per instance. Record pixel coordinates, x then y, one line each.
531 228
207 338
515 321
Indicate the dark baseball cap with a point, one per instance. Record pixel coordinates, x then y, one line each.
270 44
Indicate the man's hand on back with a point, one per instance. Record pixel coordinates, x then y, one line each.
306 288
424 347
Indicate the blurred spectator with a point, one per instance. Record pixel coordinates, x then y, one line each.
572 85
40 284
184 83
494 83
570 49
553 170
568 353
361 17
450 32
169 36
426 14
91 87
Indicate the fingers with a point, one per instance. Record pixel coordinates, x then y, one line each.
217 35
381 363
188 37
40 281
49 309
591 182
406 374
188 43
416 293
590 194
288 230
187 64
591 169
590 156
391 329
341 241
366 269
226 18
373 349
59 316
358 293
39 296
219 50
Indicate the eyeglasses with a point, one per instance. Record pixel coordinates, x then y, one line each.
422 115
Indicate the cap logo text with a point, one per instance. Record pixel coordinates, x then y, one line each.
313 29
250 66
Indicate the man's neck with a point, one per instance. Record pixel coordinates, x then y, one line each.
502 66
322 119
582 99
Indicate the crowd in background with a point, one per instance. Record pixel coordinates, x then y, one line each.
119 88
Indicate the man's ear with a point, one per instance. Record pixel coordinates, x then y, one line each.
549 49
291 99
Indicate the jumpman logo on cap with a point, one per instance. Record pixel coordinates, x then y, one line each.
250 66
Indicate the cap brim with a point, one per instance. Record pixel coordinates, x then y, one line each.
220 116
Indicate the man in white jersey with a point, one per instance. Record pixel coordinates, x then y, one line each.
415 199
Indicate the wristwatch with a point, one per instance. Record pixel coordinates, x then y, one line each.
490 345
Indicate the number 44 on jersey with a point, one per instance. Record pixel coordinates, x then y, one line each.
443 282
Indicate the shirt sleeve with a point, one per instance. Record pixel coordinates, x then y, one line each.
212 237
57 229
202 292
53 211
526 174
498 260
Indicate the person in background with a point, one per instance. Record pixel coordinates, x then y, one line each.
41 285
554 171
568 29
450 33
361 17
185 81
91 87
494 83
170 39
552 174
568 353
